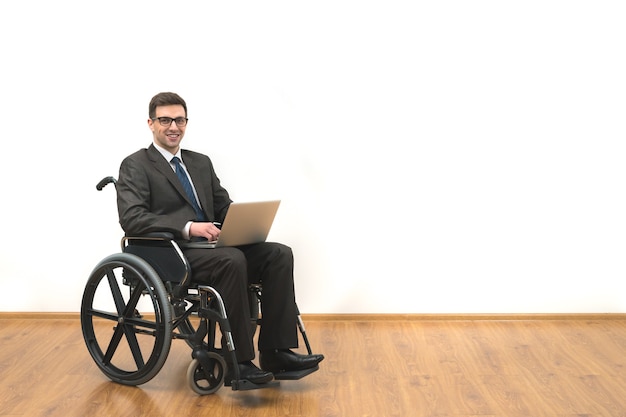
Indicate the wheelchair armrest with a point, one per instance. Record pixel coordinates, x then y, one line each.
159 235
152 238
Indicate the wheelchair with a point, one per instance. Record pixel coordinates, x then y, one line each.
137 301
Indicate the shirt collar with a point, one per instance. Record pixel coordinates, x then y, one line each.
167 154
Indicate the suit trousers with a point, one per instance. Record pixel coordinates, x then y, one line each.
230 270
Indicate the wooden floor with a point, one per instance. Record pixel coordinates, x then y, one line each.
541 367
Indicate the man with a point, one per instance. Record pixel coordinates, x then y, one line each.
168 189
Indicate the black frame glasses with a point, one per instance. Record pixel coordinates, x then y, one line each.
167 121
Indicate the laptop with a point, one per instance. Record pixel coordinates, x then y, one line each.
245 223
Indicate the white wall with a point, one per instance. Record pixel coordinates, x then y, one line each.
432 156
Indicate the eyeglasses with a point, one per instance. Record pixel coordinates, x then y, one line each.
167 121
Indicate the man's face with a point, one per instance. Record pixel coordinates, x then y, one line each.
168 136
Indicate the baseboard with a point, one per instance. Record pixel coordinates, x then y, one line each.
373 317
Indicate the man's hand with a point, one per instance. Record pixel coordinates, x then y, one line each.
201 229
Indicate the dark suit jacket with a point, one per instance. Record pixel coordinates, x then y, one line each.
150 197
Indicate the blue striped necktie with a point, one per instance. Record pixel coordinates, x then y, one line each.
182 176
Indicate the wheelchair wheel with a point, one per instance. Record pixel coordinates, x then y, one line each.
126 319
207 381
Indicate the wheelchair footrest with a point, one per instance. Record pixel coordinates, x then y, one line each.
245 385
294 375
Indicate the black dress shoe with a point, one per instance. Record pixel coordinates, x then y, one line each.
284 360
249 371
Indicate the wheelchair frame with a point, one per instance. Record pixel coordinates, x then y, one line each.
158 279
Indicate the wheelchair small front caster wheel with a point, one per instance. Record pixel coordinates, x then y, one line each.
203 380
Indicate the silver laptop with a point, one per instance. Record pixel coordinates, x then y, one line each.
245 223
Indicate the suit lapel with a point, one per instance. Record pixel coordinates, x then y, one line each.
164 167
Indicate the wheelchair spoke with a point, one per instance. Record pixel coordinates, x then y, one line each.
115 291
102 314
131 337
113 344
140 324
131 307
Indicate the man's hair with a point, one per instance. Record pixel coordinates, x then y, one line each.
165 99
